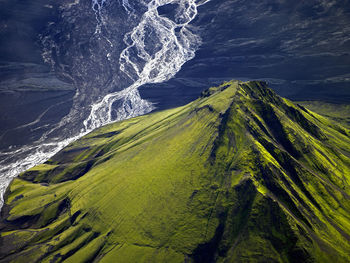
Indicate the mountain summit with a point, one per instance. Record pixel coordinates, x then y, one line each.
238 175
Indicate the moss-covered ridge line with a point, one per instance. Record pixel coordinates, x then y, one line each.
238 175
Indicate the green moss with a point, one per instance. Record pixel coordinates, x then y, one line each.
339 112
238 175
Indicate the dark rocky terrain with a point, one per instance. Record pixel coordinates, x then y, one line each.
301 48
58 59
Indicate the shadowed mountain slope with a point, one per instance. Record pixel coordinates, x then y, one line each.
238 175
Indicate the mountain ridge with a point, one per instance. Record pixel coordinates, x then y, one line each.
240 174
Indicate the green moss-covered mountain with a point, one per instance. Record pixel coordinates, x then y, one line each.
239 175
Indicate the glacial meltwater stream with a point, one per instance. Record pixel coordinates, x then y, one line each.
155 51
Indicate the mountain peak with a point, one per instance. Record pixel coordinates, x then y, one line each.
239 174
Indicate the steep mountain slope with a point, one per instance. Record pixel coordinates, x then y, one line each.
336 111
239 175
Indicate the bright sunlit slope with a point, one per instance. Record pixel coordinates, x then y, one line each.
239 175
